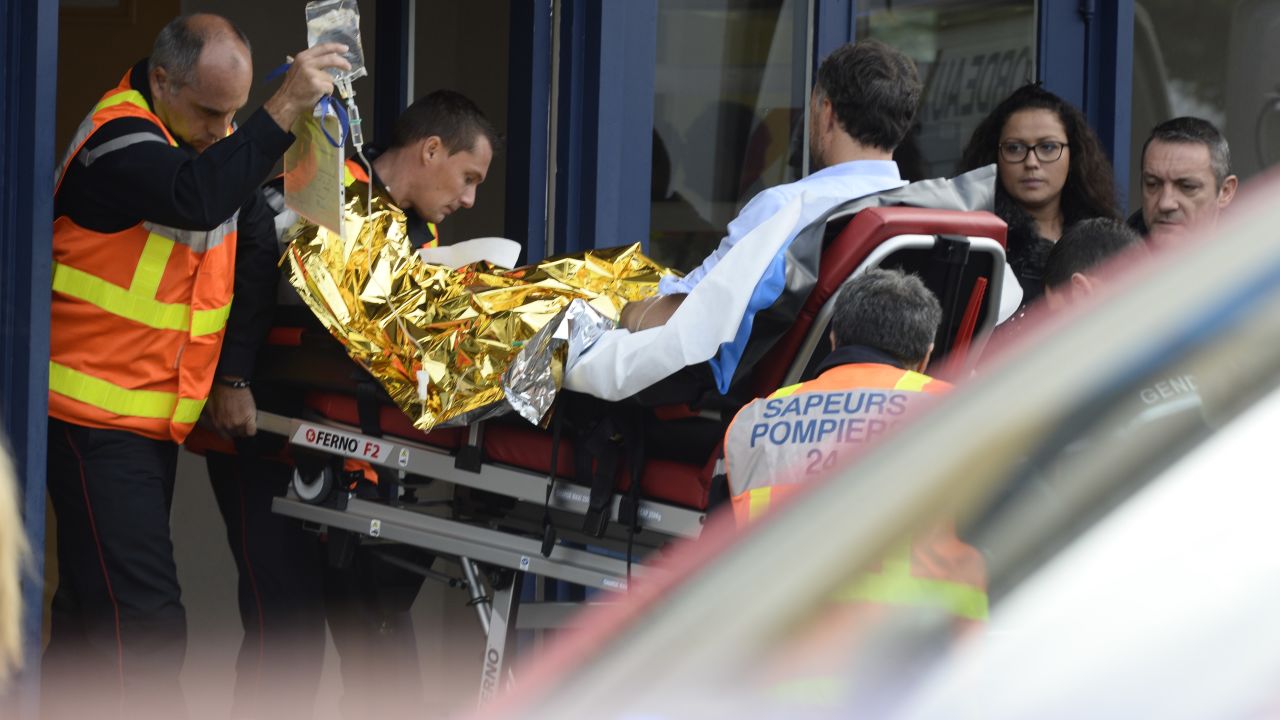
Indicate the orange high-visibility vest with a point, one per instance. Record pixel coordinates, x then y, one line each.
138 315
753 496
936 568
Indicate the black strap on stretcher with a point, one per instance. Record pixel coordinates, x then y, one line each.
548 529
629 507
603 433
470 456
951 252
619 431
369 415
596 458
369 407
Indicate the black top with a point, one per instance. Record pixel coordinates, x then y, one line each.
1025 249
181 188
857 355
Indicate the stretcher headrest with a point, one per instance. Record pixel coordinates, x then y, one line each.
852 242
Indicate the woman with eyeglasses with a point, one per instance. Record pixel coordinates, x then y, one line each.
1053 173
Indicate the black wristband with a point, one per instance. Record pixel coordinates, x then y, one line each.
239 384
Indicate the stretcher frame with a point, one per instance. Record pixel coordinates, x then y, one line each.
519 553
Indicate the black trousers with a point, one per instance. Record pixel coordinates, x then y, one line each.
287 591
119 631
280 588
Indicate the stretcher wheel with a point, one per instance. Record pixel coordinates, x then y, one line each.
315 486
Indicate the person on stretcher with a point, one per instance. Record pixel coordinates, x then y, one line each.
864 100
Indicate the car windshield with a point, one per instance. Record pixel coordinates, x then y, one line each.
1085 420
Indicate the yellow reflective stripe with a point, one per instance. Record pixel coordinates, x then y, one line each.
118 301
347 176
188 411
961 600
141 309
435 235
129 96
208 322
785 391
758 502
151 265
109 396
138 302
912 381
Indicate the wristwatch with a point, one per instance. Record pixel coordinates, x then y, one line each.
236 383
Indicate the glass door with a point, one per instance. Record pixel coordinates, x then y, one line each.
729 100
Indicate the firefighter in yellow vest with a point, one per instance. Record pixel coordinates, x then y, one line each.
440 152
882 333
153 197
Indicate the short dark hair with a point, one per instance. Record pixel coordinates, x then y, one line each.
1195 130
890 311
1085 246
178 46
875 90
1090 190
448 115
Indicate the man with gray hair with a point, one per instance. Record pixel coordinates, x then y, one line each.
889 312
1186 179
153 197
882 332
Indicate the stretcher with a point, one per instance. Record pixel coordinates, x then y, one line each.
511 511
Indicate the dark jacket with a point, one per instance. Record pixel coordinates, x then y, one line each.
1026 250
1139 225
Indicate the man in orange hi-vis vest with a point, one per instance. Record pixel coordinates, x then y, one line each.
882 331
152 196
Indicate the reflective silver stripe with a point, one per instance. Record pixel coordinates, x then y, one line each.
199 241
795 438
82 134
124 141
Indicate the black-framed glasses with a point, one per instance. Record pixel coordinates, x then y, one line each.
1046 152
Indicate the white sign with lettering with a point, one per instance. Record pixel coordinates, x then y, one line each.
330 440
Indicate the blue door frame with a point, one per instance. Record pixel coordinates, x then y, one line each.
393 40
608 57
1085 50
29 48
835 23
528 118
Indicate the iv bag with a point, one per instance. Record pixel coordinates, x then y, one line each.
337 21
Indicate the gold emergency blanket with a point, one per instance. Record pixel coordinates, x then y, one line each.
439 339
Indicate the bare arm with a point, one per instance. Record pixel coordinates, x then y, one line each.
651 312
